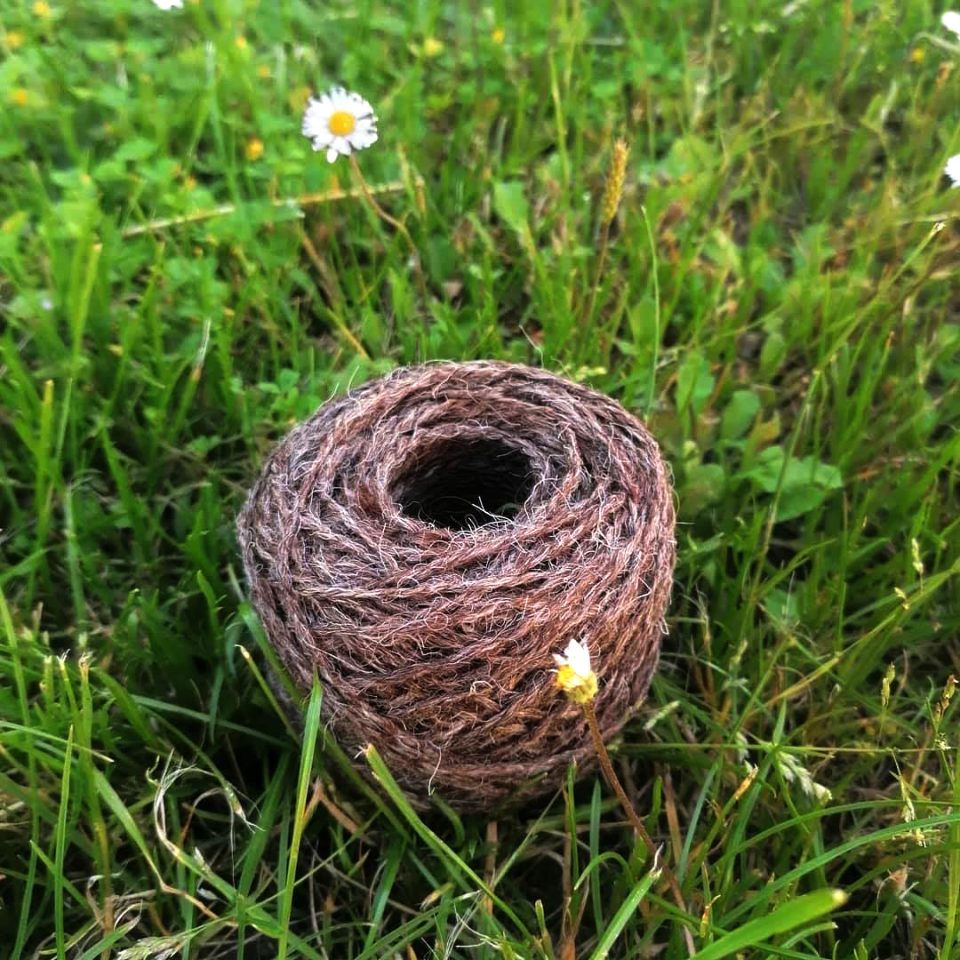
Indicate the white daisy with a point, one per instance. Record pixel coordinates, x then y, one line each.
951 20
952 169
168 4
340 122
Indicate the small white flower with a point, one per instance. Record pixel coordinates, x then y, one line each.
952 169
168 4
340 122
951 20
575 676
576 656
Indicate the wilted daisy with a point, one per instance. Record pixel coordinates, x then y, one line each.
952 169
951 20
340 122
575 676
168 4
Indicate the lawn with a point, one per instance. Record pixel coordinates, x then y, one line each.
182 278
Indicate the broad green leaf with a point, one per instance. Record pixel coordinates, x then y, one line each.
694 382
772 354
805 482
510 204
739 414
704 485
781 608
139 148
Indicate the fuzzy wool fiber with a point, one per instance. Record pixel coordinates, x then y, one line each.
425 543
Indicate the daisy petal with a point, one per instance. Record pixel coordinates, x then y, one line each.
340 122
952 169
951 20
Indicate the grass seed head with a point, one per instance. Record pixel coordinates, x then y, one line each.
613 190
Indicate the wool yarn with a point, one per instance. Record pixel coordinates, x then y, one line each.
425 543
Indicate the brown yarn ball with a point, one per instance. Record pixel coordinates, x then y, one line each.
426 543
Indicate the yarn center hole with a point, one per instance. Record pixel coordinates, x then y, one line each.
462 484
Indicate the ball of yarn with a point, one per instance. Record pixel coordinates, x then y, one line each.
424 544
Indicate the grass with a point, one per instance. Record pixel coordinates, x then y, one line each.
778 299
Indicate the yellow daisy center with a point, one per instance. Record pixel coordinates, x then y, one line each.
579 688
342 124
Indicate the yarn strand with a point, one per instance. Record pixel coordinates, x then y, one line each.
424 543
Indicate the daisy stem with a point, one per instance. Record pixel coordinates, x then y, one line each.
611 777
398 225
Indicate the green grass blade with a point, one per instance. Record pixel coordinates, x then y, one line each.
307 753
789 916
461 872
60 850
623 916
